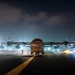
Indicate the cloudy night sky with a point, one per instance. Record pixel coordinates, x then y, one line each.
22 20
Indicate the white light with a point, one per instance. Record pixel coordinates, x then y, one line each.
10 49
49 48
74 51
53 50
71 44
58 50
21 47
5 47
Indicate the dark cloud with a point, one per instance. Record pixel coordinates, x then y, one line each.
8 14
19 21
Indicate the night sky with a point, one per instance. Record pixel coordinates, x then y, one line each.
23 20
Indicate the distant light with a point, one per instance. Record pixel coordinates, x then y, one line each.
21 47
49 48
58 50
68 52
10 49
5 47
53 50
71 44
74 51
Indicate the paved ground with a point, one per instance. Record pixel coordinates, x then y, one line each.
50 64
40 65
9 62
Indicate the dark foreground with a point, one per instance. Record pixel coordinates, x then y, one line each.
51 64
40 65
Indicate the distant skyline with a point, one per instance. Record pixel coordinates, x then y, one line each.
23 20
